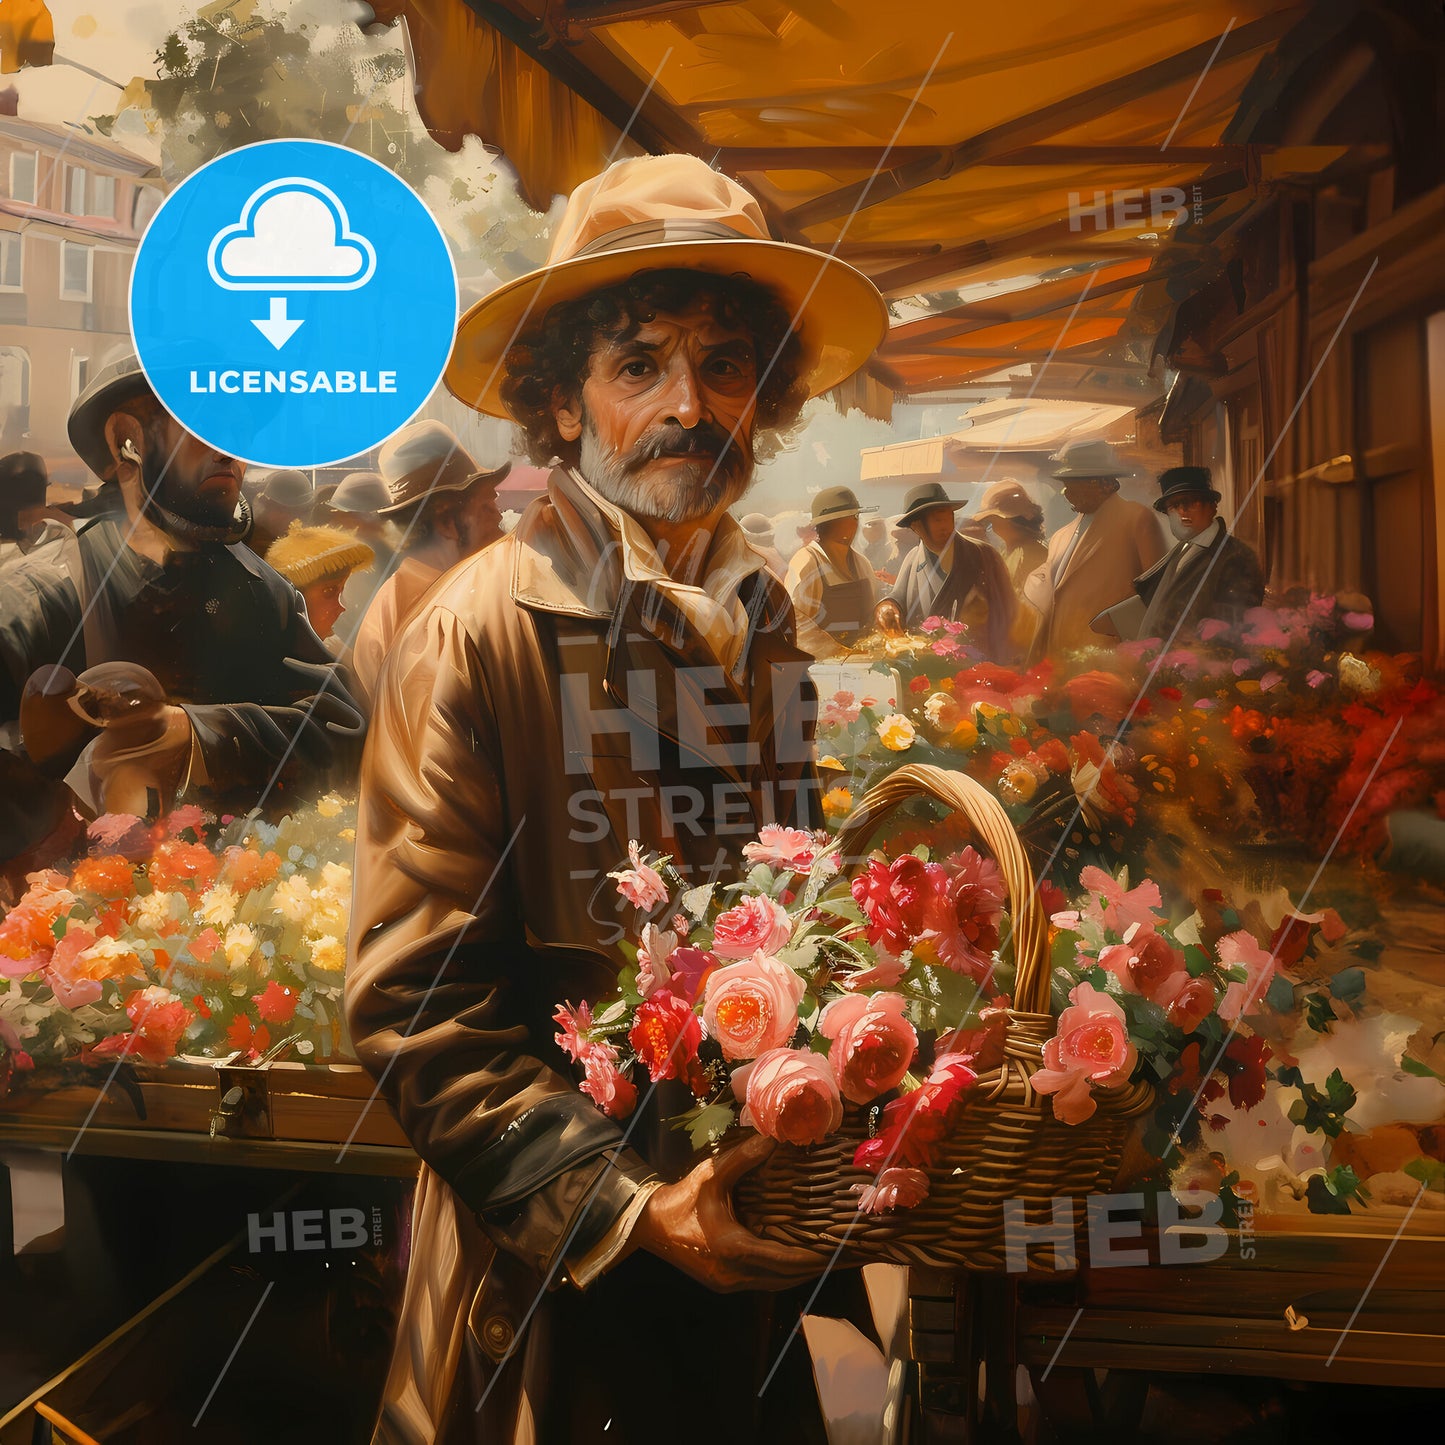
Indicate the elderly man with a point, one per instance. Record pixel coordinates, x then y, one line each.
620 667
160 579
447 510
949 576
1207 573
1094 559
830 582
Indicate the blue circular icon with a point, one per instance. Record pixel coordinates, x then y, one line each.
293 303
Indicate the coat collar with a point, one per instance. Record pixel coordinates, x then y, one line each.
1177 550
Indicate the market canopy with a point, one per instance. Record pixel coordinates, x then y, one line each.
1024 183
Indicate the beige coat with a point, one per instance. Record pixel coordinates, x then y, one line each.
1123 539
536 714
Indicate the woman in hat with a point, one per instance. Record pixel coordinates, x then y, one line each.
1018 522
317 562
830 582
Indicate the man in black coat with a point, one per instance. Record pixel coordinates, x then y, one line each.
160 579
1207 573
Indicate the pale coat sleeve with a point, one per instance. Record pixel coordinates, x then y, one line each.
443 995
805 588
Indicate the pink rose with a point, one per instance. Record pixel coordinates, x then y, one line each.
665 1034
1146 966
757 923
792 848
893 1189
640 885
69 976
751 1007
789 1095
1090 1047
1191 1005
873 1044
840 710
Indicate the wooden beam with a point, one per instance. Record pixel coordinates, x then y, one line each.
1039 125
738 160
584 15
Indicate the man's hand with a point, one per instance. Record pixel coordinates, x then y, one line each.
691 1225
888 617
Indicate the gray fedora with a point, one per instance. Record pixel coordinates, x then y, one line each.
923 499
426 458
832 504
362 493
1087 460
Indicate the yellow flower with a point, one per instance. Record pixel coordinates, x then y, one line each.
217 906
337 878
240 944
831 762
329 953
940 710
896 733
965 735
837 803
152 910
292 898
109 958
1018 784
331 805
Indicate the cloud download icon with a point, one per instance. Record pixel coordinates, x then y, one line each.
293 235
311 225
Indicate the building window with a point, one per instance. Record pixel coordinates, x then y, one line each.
76 263
79 374
75 190
12 252
22 176
14 377
102 197
147 203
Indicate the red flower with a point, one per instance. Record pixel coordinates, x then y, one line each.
894 898
276 1004
182 865
914 1125
1053 755
1187 1077
158 1020
963 914
919 684
665 1035
1244 1060
1192 1005
248 1037
1101 695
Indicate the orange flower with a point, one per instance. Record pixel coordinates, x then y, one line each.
110 876
247 868
179 865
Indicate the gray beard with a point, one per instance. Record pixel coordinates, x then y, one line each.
1182 531
693 491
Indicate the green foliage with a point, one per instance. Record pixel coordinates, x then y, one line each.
1330 1193
1319 1112
706 1123
1318 1013
1430 1172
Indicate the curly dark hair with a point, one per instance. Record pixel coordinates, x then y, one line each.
554 356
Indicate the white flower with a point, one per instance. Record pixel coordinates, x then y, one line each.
217 906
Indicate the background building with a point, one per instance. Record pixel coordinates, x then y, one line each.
73 206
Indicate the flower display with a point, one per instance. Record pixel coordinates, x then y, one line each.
789 1095
751 1007
1091 1047
757 924
873 1043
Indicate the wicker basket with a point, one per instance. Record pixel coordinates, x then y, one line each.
1007 1145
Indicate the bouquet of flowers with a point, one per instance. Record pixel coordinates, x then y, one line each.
188 936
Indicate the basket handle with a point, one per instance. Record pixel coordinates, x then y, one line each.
991 824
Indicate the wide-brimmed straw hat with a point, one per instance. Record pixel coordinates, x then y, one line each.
426 458
303 555
671 211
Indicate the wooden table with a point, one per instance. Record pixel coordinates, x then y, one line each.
1322 1299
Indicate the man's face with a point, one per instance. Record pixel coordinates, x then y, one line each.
1088 494
935 527
666 417
479 521
840 532
1190 515
188 476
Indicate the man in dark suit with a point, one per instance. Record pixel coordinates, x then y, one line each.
1207 573
949 576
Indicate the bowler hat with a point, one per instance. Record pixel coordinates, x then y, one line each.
424 458
672 211
112 386
363 493
832 504
289 489
1082 461
757 527
923 499
1184 482
24 479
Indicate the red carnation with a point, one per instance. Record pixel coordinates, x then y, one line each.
276 1003
665 1035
